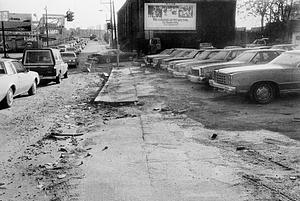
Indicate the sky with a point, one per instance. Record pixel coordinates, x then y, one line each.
87 14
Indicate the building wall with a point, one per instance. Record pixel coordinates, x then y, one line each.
215 23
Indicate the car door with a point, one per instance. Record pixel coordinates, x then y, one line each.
24 79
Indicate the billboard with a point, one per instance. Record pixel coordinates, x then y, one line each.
18 22
170 16
55 24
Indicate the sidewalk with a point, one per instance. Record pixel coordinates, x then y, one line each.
158 155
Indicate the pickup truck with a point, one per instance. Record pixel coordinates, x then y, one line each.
15 80
47 62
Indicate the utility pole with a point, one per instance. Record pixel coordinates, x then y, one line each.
112 26
46 23
3 17
116 43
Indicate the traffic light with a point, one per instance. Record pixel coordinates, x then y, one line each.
70 16
108 26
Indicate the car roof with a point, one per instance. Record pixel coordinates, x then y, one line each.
293 51
264 50
288 44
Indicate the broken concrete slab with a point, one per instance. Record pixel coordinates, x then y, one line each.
120 88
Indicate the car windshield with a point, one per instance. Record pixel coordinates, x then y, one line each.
175 53
287 59
67 55
166 51
185 53
221 55
203 55
192 53
39 56
245 57
71 49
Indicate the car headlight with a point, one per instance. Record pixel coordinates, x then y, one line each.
229 79
201 71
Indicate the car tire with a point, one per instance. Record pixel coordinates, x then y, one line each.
9 99
58 79
263 93
32 89
66 75
107 60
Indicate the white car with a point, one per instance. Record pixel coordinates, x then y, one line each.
15 79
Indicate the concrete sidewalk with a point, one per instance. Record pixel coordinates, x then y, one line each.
120 87
157 155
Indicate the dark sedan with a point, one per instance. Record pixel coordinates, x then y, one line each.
109 56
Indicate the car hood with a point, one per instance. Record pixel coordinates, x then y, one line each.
182 61
262 67
224 64
176 58
156 55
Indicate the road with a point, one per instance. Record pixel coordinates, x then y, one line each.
158 149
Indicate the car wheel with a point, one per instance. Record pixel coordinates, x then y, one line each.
66 74
107 60
32 89
263 93
58 79
9 98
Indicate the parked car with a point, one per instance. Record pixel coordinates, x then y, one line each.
157 60
250 57
181 69
149 58
73 49
262 82
223 55
109 56
188 54
62 48
286 47
15 79
178 53
47 62
70 58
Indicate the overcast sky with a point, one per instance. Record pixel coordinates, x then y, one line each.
86 12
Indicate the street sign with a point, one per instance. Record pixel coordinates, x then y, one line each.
4 16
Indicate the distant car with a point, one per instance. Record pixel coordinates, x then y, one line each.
109 56
286 47
149 58
179 52
188 54
72 49
15 79
47 63
62 48
247 58
262 82
70 58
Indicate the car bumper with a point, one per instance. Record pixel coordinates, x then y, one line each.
226 88
179 74
47 77
71 63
